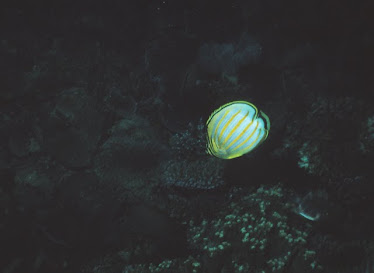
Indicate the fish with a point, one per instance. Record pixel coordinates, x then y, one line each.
236 128
313 206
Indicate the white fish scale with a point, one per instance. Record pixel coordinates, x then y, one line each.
232 124
245 140
254 140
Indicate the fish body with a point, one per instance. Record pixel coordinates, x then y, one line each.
236 128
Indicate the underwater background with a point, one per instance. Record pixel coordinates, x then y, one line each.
103 111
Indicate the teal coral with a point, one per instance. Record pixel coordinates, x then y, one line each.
254 233
180 265
367 136
205 173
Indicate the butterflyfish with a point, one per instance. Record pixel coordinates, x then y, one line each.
236 128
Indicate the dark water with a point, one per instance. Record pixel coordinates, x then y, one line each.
103 106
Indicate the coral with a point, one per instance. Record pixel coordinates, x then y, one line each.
227 58
73 129
254 233
43 174
206 173
309 157
190 167
367 136
129 156
189 143
187 265
320 139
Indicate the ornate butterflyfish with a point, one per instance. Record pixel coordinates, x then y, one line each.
236 128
